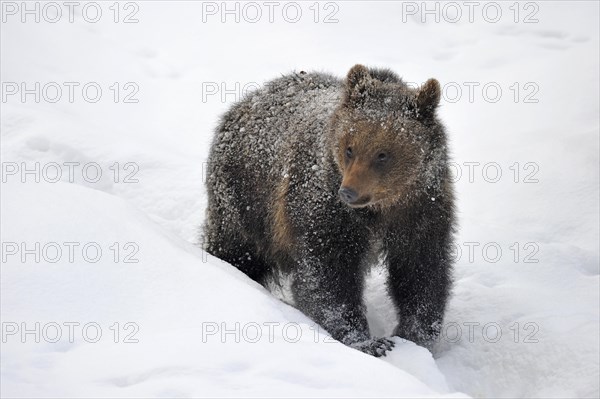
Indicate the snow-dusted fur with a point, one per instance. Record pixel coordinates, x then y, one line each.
277 162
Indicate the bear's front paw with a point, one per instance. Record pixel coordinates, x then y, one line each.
374 346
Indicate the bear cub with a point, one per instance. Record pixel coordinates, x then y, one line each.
320 177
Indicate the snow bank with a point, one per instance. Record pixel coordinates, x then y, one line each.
197 326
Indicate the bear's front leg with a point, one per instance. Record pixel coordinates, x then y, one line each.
419 280
329 290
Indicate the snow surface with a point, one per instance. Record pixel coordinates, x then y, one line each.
175 294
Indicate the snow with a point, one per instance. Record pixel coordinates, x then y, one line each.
182 348
176 295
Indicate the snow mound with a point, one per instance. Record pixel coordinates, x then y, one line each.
202 328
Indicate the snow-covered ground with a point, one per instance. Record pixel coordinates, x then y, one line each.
524 317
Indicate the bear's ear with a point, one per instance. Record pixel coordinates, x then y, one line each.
357 83
428 97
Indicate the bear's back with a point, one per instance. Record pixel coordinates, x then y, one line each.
288 115
281 124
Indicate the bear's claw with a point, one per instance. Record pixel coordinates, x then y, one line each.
374 346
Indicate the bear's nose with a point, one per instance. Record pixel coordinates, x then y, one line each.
348 195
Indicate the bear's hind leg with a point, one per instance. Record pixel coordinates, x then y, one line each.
238 253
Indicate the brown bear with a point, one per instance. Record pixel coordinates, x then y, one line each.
321 177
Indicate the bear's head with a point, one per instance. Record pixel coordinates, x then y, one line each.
384 136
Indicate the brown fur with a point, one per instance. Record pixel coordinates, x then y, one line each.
282 234
378 185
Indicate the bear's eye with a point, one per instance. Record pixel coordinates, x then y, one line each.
382 157
349 152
